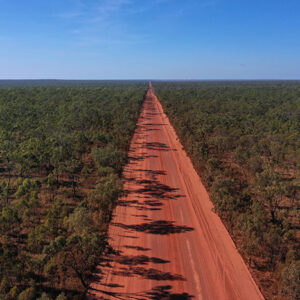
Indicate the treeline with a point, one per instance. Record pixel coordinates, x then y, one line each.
244 139
61 155
73 83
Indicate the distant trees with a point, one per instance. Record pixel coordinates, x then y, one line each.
268 182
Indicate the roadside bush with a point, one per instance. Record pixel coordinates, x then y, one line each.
28 294
291 281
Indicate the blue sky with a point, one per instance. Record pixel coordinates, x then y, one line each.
150 39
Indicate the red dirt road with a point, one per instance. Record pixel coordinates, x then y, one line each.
168 242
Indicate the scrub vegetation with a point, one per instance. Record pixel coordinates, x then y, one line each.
244 140
62 149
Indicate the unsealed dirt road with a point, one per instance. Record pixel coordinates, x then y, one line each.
168 242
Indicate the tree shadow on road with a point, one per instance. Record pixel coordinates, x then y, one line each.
148 192
151 192
156 227
133 260
162 292
137 248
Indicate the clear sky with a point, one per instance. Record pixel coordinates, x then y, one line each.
150 39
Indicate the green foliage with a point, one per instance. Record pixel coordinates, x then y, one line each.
61 296
271 190
28 186
82 252
4 285
36 238
103 198
13 293
109 157
291 281
222 193
53 221
8 218
79 221
44 297
28 294
62 150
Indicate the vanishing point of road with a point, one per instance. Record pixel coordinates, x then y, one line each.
167 241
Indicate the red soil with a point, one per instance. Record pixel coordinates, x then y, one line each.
168 242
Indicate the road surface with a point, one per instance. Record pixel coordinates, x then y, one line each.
168 243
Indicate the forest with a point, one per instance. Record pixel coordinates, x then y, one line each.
244 141
62 149
63 145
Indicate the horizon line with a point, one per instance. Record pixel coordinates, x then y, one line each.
148 79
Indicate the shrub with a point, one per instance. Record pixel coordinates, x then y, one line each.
28 294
